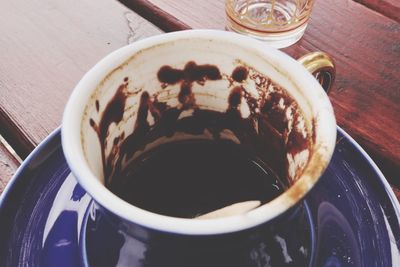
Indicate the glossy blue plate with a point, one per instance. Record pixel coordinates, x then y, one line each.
355 213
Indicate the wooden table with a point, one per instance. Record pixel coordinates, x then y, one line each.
46 46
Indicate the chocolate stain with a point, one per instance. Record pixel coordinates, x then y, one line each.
264 133
186 77
113 113
240 73
235 98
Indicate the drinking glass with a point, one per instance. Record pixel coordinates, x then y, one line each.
280 23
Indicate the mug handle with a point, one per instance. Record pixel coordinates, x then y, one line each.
322 66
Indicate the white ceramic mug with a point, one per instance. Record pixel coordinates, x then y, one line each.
134 70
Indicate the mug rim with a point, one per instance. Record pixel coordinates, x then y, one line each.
74 154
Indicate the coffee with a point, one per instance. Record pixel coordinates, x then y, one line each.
190 178
185 160
171 123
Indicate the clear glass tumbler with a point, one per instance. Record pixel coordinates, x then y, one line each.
280 23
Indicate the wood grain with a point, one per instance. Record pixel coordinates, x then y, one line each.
178 15
389 8
366 48
155 14
396 192
46 47
8 166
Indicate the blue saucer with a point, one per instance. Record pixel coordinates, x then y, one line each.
355 213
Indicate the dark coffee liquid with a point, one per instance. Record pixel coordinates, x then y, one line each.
190 178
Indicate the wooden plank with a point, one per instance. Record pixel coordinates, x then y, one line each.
365 46
152 12
8 164
47 46
396 192
177 15
388 8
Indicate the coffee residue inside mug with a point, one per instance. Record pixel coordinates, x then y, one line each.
272 134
